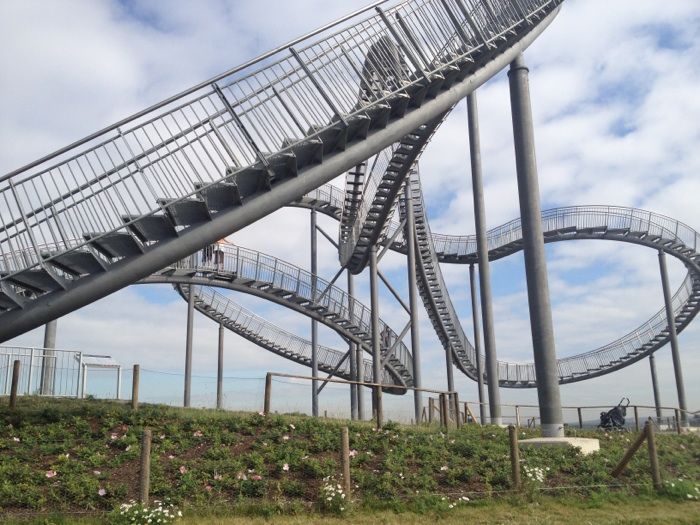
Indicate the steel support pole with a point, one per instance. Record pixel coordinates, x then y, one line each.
314 323
220 370
188 348
409 235
655 386
359 359
673 337
483 257
376 349
353 353
48 361
477 344
533 247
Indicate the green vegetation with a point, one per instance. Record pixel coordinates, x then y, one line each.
71 457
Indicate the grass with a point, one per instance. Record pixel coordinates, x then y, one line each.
71 457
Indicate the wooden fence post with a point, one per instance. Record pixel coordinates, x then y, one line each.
455 404
15 383
636 418
444 411
628 455
678 420
345 459
431 408
514 456
268 393
136 373
653 457
145 474
517 416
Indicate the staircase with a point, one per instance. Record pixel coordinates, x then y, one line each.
138 196
243 322
278 281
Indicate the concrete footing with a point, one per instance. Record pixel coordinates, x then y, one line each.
586 445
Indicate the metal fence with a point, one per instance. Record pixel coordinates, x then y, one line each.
52 372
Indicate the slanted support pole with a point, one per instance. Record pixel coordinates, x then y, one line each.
673 338
655 387
48 362
188 348
376 349
484 268
314 323
533 247
353 354
409 235
220 370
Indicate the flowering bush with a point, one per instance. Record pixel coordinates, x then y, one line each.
535 475
681 489
331 496
137 513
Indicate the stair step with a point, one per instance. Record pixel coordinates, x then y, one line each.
186 212
151 228
77 262
114 244
220 196
38 280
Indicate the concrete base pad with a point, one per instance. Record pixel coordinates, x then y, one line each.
586 445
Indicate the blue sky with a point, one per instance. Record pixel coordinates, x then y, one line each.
614 95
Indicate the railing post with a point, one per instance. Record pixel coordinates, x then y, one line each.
145 471
136 376
514 456
314 323
80 369
31 368
268 393
15 384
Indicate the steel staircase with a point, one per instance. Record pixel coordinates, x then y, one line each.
145 192
243 322
278 281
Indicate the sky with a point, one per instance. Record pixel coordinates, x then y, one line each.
617 121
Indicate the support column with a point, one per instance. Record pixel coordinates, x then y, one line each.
655 386
673 336
410 236
314 323
188 348
352 351
376 349
48 361
360 360
483 257
220 370
533 247
477 345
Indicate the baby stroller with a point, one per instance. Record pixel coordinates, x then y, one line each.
614 419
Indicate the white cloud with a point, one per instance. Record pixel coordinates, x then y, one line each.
617 122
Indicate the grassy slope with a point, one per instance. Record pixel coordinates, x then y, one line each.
396 469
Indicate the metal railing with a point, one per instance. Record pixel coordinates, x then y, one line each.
281 275
112 178
46 371
264 333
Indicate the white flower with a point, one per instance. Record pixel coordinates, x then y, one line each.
292 427
15 439
102 492
285 467
444 468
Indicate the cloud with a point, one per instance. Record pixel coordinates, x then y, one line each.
617 121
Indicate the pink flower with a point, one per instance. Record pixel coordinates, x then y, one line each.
208 488
256 477
218 477
51 473
183 469
352 453
198 434
102 492
285 467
